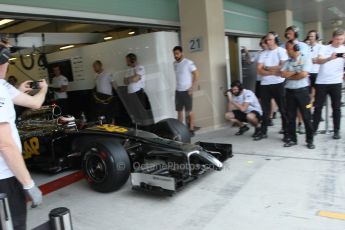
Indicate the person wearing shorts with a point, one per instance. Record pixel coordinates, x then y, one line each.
186 81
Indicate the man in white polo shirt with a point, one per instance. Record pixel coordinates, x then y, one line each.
59 86
272 84
186 82
135 80
329 80
15 179
105 83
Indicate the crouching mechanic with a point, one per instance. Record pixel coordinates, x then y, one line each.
243 107
15 179
296 71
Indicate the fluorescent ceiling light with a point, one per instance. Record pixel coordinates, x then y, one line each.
131 32
66 47
337 12
107 38
5 21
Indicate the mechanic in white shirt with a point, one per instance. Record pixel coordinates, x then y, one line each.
329 80
59 86
135 80
103 95
291 34
315 48
263 46
243 106
186 82
15 179
272 84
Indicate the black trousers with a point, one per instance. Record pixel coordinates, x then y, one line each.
334 91
299 99
277 92
16 200
144 99
64 106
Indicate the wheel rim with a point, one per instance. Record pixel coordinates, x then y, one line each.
96 167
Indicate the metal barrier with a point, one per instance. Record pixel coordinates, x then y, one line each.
5 213
59 218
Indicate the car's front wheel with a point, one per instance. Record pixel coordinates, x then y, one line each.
106 165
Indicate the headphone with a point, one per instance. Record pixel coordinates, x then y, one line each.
5 54
295 29
237 84
132 57
317 36
276 37
295 46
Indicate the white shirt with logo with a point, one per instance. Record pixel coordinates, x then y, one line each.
184 74
58 82
136 86
104 83
331 72
314 53
270 58
8 115
247 96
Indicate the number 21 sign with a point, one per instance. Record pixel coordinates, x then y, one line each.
195 44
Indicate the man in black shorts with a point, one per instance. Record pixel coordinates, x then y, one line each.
186 82
243 106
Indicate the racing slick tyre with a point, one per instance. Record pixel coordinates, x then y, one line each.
172 129
106 165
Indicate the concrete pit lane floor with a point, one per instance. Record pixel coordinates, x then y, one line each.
263 187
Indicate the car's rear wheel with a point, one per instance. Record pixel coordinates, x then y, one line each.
172 129
106 165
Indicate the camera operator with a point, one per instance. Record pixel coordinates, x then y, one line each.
243 106
329 80
15 179
296 71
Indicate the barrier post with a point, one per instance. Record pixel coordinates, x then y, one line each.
60 219
5 213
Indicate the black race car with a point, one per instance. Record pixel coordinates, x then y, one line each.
109 154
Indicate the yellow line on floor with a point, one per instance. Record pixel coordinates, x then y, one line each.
332 215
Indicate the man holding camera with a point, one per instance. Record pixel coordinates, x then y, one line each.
15 179
243 107
296 72
329 80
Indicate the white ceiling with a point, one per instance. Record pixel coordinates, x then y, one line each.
303 10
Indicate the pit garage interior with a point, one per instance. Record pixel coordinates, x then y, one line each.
262 186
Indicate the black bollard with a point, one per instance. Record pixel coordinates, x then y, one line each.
5 214
60 219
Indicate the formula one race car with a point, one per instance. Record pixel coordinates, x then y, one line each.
109 154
